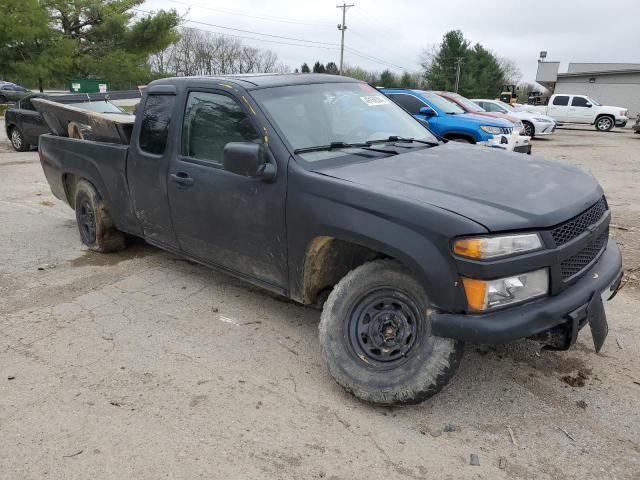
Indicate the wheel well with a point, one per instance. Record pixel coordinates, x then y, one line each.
606 115
70 181
328 259
453 136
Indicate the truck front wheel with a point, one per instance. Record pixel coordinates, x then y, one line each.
604 123
375 335
94 221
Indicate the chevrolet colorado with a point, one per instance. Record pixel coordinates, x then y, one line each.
321 189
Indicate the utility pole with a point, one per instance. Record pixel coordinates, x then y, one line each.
458 65
342 27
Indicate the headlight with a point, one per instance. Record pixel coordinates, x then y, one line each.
542 120
491 130
483 248
623 113
488 294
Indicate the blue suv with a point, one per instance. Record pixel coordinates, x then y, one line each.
448 120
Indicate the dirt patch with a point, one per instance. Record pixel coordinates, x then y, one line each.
138 249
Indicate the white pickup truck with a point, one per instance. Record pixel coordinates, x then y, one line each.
567 108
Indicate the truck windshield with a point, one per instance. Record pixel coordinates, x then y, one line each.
597 104
337 113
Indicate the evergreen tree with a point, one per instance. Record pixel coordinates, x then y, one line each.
318 67
441 73
407 81
481 72
54 40
388 79
332 68
305 68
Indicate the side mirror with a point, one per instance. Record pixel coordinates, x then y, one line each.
426 111
588 105
248 159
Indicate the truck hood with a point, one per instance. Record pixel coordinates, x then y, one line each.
499 190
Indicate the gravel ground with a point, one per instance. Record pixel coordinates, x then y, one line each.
142 365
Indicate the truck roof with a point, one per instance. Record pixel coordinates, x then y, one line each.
259 80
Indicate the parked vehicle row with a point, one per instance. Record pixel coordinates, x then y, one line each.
581 109
449 121
535 124
321 189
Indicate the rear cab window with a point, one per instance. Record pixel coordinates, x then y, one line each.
561 100
156 118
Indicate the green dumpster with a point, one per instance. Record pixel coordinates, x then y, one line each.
86 85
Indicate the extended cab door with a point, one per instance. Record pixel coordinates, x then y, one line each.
558 108
581 110
149 153
221 218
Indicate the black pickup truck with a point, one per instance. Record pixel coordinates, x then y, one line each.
321 189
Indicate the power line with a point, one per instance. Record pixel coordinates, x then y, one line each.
372 58
242 14
314 44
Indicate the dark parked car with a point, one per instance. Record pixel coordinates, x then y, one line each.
24 124
10 92
321 189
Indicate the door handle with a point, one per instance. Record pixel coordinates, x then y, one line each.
182 178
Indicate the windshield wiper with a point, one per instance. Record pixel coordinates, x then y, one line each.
331 146
395 138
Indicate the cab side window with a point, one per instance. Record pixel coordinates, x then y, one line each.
562 100
212 120
156 118
579 102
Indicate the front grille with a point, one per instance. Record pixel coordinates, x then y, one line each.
569 230
506 130
572 266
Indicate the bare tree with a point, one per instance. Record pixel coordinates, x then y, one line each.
205 53
511 72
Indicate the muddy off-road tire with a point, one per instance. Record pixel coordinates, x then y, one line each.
94 221
375 337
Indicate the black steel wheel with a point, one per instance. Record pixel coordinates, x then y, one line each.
383 328
96 227
87 222
375 335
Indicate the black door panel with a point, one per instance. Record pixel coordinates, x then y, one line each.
219 217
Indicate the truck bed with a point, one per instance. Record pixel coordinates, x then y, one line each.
64 160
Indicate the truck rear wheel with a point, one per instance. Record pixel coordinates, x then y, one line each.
94 221
604 123
376 337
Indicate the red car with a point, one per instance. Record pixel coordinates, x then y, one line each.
470 107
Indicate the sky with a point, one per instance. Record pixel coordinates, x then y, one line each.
393 34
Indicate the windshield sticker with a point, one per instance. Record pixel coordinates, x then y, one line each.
374 100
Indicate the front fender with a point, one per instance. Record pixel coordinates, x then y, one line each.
416 235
